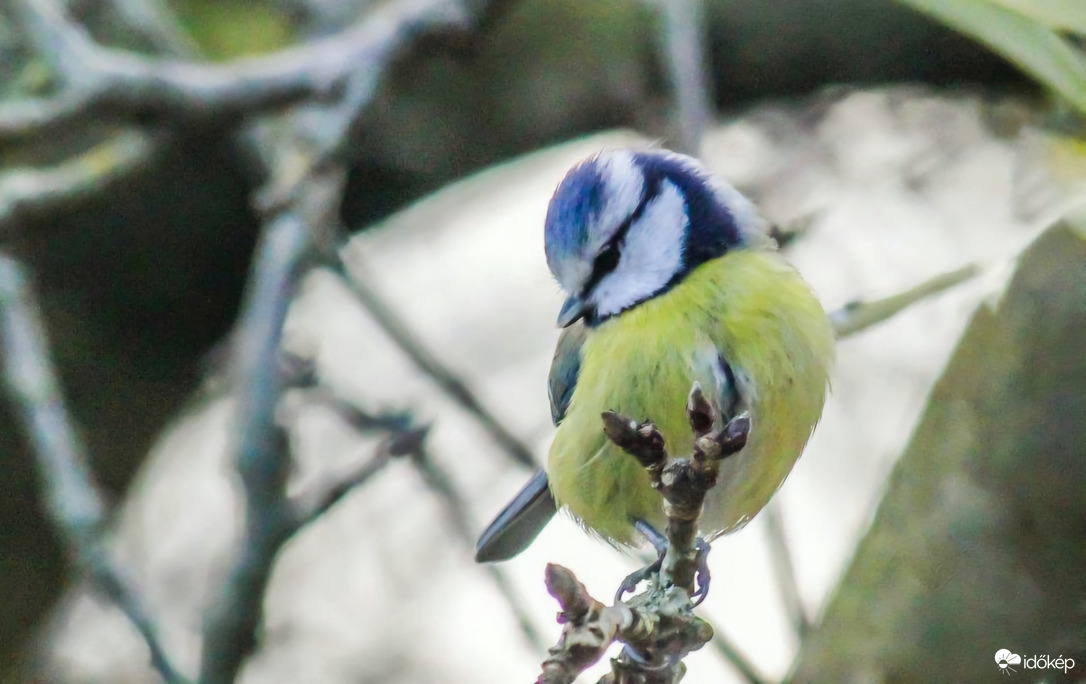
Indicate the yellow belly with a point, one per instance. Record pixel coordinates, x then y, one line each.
762 317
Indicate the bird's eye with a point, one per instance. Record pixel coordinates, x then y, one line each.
607 260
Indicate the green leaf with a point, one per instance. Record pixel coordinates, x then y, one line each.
1062 15
1038 50
978 537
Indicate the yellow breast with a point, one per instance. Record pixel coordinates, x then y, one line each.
758 313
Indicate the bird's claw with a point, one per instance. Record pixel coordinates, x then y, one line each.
637 577
659 542
701 577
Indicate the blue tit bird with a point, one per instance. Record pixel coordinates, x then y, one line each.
671 279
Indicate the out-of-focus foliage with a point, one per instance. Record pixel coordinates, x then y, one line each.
789 47
977 544
229 29
1059 14
1041 37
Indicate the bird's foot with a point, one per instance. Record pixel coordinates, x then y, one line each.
659 542
702 576
637 577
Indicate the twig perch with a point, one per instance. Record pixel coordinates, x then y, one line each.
590 627
683 482
658 626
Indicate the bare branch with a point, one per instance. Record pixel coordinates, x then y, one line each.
659 622
73 502
301 197
590 627
364 421
405 439
31 116
683 482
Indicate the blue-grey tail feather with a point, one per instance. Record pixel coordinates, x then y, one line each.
519 523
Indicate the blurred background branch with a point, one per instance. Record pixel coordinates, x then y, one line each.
73 502
29 192
301 199
683 45
262 454
101 81
453 385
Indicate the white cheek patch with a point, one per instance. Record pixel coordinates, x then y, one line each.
623 184
650 255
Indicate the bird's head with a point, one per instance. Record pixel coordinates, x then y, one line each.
624 226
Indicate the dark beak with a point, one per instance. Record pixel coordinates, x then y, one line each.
572 311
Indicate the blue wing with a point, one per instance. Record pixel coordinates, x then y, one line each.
565 368
730 402
521 521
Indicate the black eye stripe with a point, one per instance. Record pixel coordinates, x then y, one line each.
607 260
